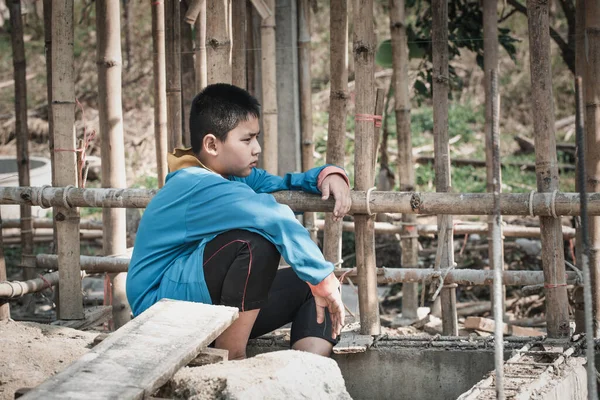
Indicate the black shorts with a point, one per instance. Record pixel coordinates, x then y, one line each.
241 269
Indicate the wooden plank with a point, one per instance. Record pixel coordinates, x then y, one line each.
93 316
487 325
353 342
209 356
141 356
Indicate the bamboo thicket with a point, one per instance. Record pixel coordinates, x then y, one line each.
70 305
218 43
160 89
592 145
109 63
557 313
305 80
406 172
22 134
173 74
338 100
364 58
440 88
269 90
238 47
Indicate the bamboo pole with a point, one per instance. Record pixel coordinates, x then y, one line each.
188 73
251 49
4 306
269 90
338 99
89 264
160 89
70 304
592 145
22 134
193 10
200 49
218 43
441 149
305 83
113 145
406 172
173 74
238 48
364 57
557 313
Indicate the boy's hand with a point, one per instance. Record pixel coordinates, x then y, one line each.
334 304
336 185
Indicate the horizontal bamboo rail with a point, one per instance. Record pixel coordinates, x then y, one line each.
459 229
469 277
47 223
542 204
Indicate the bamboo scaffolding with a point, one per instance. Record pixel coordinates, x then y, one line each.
557 313
338 99
160 89
564 204
364 58
269 90
113 146
70 305
89 264
385 276
251 49
238 47
47 223
406 173
22 133
440 87
200 49
218 43
173 74
4 306
592 144
305 80
188 74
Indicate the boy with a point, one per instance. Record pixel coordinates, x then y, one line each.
212 234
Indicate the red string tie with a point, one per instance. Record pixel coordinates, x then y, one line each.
554 285
47 284
369 118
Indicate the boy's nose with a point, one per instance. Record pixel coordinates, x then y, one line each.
257 150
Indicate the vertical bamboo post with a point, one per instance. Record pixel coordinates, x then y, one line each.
160 89
200 26
406 172
364 58
557 313
218 44
442 153
592 127
490 62
269 90
109 64
188 73
338 100
251 50
4 307
22 135
65 170
173 74
238 48
308 162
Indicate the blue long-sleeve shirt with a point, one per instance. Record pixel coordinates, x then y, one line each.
193 207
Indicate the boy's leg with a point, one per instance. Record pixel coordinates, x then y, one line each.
239 268
290 300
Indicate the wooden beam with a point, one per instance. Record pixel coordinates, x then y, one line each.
141 356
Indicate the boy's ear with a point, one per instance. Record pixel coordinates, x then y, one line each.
209 144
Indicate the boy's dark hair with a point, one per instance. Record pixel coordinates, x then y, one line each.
218 109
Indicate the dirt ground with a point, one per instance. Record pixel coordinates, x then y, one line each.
31 352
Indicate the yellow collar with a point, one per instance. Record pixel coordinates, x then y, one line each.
183 158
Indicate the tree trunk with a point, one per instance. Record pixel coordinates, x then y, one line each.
238 54
22 135
160 89
269 91
442 152
218 43
4 307
546 169
188 87
338 99
65 166
173 74
406 173
200 26
113 148
364 59
592 145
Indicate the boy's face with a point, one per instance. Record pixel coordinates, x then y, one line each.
238 154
